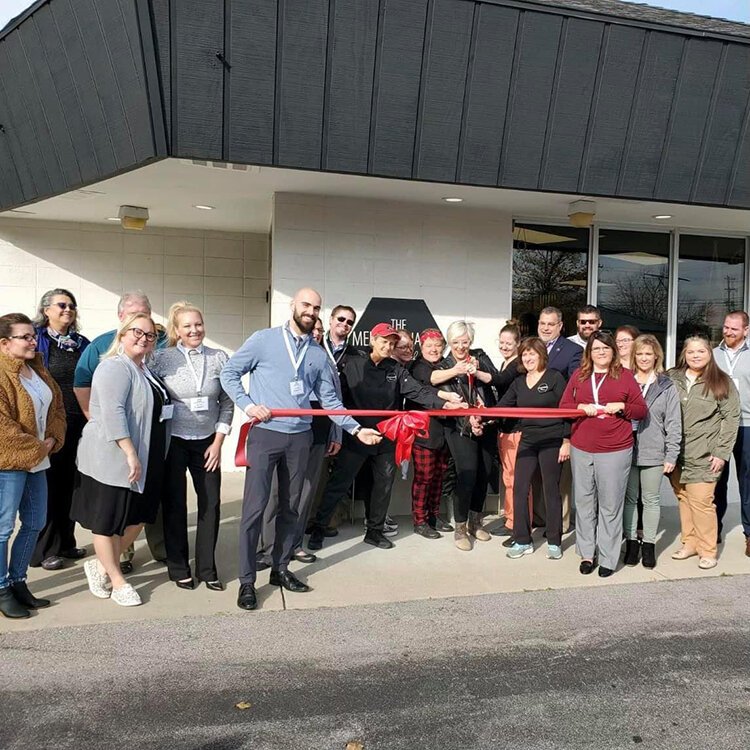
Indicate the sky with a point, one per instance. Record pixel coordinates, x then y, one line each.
736 10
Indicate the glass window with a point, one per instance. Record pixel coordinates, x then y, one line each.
550 267
633 281
711 283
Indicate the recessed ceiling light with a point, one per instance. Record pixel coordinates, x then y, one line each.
113 218
662 216
453 200
204 208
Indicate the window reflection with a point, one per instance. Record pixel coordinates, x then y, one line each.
550 267
711 283
633 282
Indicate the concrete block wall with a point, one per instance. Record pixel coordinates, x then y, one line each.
457 259
224 273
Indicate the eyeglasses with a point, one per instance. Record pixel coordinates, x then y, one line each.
406 347
624 341
65 306
599 349
343 319
27 337
588 321
139 334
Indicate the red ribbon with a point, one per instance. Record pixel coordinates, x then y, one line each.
240 456
403 429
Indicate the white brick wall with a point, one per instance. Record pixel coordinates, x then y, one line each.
225 273
457 259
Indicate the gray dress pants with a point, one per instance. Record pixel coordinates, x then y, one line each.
600 481
270 452
309 488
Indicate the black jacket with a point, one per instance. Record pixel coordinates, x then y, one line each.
421 370
366 385
565 357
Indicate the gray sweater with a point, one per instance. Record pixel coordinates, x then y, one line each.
179 375
739 371
660 433
121 406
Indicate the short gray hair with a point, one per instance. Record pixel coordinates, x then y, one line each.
41 320
460 328
550 310
135 294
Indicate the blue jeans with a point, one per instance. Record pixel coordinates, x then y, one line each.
25 494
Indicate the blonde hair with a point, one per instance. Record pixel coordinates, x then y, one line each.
646 339
114 347
460 328
177 309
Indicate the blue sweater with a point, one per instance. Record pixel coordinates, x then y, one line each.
265 356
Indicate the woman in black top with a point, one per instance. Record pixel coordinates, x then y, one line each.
430 454
61 346
544 445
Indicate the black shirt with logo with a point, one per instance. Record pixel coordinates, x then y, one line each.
421 370
545 394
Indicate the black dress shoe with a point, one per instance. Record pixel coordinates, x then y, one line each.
216 585
377 539
587 567
304 557
126 567
330 532
288 580
261 565
25 598
605 572
247 598
425 530
10 607
502 531
53 562
189 584
632 552
509 542
439 524
76 553
315 542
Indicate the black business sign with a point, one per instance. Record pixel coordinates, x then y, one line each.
412 315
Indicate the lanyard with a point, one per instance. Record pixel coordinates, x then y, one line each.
732 361
198 376
296 363
596 386
330 353
155 382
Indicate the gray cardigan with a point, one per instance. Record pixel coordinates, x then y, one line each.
660 433
121 406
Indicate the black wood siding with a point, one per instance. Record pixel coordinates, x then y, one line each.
79 97
482 92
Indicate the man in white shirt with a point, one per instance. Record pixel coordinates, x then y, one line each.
733 356
588 320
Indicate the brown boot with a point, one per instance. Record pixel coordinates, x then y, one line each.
461 538
474 527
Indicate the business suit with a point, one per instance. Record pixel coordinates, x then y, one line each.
565 357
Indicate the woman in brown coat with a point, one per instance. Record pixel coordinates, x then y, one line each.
32 426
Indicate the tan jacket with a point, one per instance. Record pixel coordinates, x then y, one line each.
20 448
709 428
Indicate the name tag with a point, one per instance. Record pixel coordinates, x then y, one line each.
167 411
200 403
297 388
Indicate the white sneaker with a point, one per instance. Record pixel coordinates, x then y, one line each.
126 596
96 579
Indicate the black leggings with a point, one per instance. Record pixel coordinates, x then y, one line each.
473 459
545 456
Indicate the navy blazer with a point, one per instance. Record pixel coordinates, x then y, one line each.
565 357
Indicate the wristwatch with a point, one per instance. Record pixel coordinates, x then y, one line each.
356 430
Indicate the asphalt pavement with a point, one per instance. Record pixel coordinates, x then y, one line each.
663 664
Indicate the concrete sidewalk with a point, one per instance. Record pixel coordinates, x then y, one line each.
349 572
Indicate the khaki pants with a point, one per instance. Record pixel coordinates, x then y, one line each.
699 527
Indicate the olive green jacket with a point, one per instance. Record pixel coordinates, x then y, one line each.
709 428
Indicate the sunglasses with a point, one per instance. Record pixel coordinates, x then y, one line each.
588 321
343 319
139 334
65 306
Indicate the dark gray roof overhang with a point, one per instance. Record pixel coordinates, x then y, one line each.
592 97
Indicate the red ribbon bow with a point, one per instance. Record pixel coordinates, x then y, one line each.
403 429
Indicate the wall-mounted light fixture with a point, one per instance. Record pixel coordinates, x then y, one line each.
133 217
581 213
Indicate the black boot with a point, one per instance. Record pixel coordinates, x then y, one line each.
25 598
632 552
9 605
648 555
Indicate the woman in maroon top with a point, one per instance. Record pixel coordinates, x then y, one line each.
601 449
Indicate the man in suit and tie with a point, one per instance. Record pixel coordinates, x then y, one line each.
564 356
